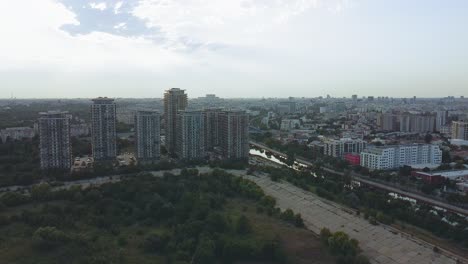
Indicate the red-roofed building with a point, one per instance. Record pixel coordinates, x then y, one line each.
428 177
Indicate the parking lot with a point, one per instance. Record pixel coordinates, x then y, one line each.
382 244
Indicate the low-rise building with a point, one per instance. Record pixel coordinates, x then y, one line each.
338 148
288 124
16 133
392 157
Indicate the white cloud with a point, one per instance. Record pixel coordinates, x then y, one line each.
100 6
41 45
117 7
234 22
122 25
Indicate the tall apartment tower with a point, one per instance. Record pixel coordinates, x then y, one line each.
190 135
460 130
54 136
147 135
234 134
211 116
175 100
441 119
103 135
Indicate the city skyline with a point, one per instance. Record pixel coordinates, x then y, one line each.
137 49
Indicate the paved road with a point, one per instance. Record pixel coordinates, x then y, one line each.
382 244
85 183
413 195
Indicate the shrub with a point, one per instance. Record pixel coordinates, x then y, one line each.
243 226
49 237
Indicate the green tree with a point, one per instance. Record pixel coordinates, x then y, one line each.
205 252
298 222
48 237
428 138
243 226
40 192
325 233
339 244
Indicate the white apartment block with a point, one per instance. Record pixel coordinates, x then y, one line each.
338 148
54 144
392 157
16 133
147 135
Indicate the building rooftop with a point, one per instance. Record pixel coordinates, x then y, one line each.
52 113
102 99
447 174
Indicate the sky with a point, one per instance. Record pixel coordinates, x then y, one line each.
233 48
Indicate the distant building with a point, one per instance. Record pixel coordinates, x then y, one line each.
210 100
338 148
428 178
78 130
288 124
16 133
54 135
147 135
234 134
175 100
417 123
190 134
441 120
387 122
392 157
460 130
286 107
439 176
103 134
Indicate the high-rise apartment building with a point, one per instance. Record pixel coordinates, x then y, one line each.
392 157
175 100
422 123
103 134
441 120
418 123
460 130
387 122
211 116
234 134
54 136
147 135
190 135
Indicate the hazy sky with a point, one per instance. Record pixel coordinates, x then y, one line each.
233 48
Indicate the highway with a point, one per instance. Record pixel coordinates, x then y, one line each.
360 178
